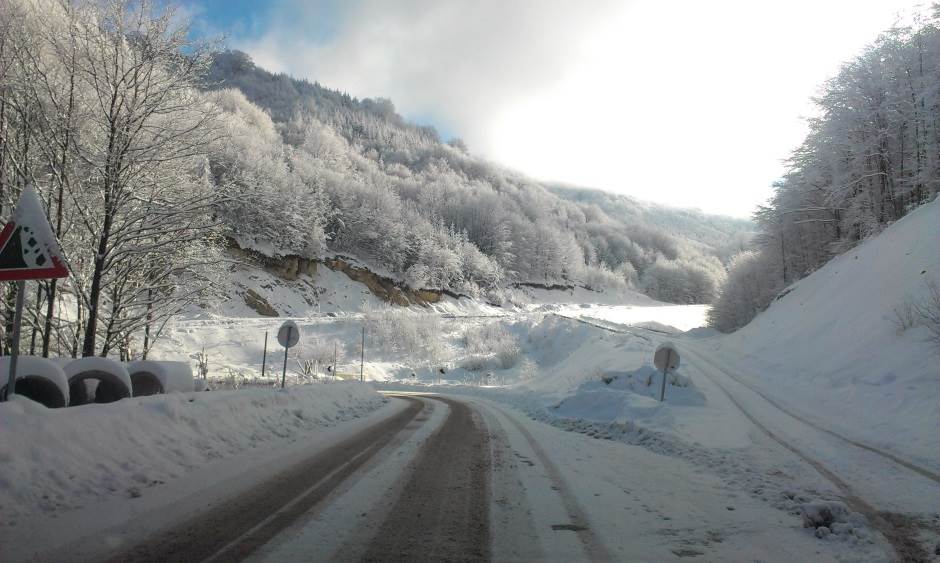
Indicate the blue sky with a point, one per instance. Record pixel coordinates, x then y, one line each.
687 103
232 17
241 21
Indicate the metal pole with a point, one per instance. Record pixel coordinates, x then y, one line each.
15 348
264 357
334 360
662 393
362 355
284 372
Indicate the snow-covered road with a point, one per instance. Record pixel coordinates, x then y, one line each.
897 496
451 476
550 495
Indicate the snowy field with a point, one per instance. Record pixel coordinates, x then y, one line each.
670 318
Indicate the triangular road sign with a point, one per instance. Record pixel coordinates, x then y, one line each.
28 249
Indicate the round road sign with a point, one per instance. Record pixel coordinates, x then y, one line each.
289 334
666 358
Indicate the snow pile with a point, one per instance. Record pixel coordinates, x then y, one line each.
831 348
833 517
567 353
59 459
631 396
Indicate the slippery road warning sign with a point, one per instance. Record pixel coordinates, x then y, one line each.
28 249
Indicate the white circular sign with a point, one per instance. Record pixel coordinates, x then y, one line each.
289 334
666 358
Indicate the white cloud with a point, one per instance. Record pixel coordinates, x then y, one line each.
691 104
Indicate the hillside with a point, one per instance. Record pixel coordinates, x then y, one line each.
326 173
723 235
831 347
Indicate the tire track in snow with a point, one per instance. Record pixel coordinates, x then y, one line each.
896 528
580 524
235 528
922 471
935 477
442 512
898 532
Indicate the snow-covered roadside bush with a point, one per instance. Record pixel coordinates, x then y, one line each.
921 311
477 362
493 340
927 311
415 334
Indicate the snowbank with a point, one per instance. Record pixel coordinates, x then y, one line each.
632 396
150 377
113 380
830 348
53 460
40 379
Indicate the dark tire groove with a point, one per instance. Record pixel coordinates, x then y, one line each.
893 527
443 511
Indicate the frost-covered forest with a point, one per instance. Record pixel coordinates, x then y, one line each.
361 180
153 153
872 155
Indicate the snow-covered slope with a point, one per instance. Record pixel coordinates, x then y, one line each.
831 350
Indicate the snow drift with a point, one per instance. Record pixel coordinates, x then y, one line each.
52 460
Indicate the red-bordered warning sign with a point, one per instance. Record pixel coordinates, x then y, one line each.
28 248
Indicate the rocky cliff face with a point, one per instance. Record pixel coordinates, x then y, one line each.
292 268
384 288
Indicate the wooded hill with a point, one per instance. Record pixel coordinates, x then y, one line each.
394 195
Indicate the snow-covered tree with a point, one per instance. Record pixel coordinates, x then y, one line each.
872 154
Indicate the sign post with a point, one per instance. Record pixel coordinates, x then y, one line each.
15 349
665 359
264 355
288 336
28 251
